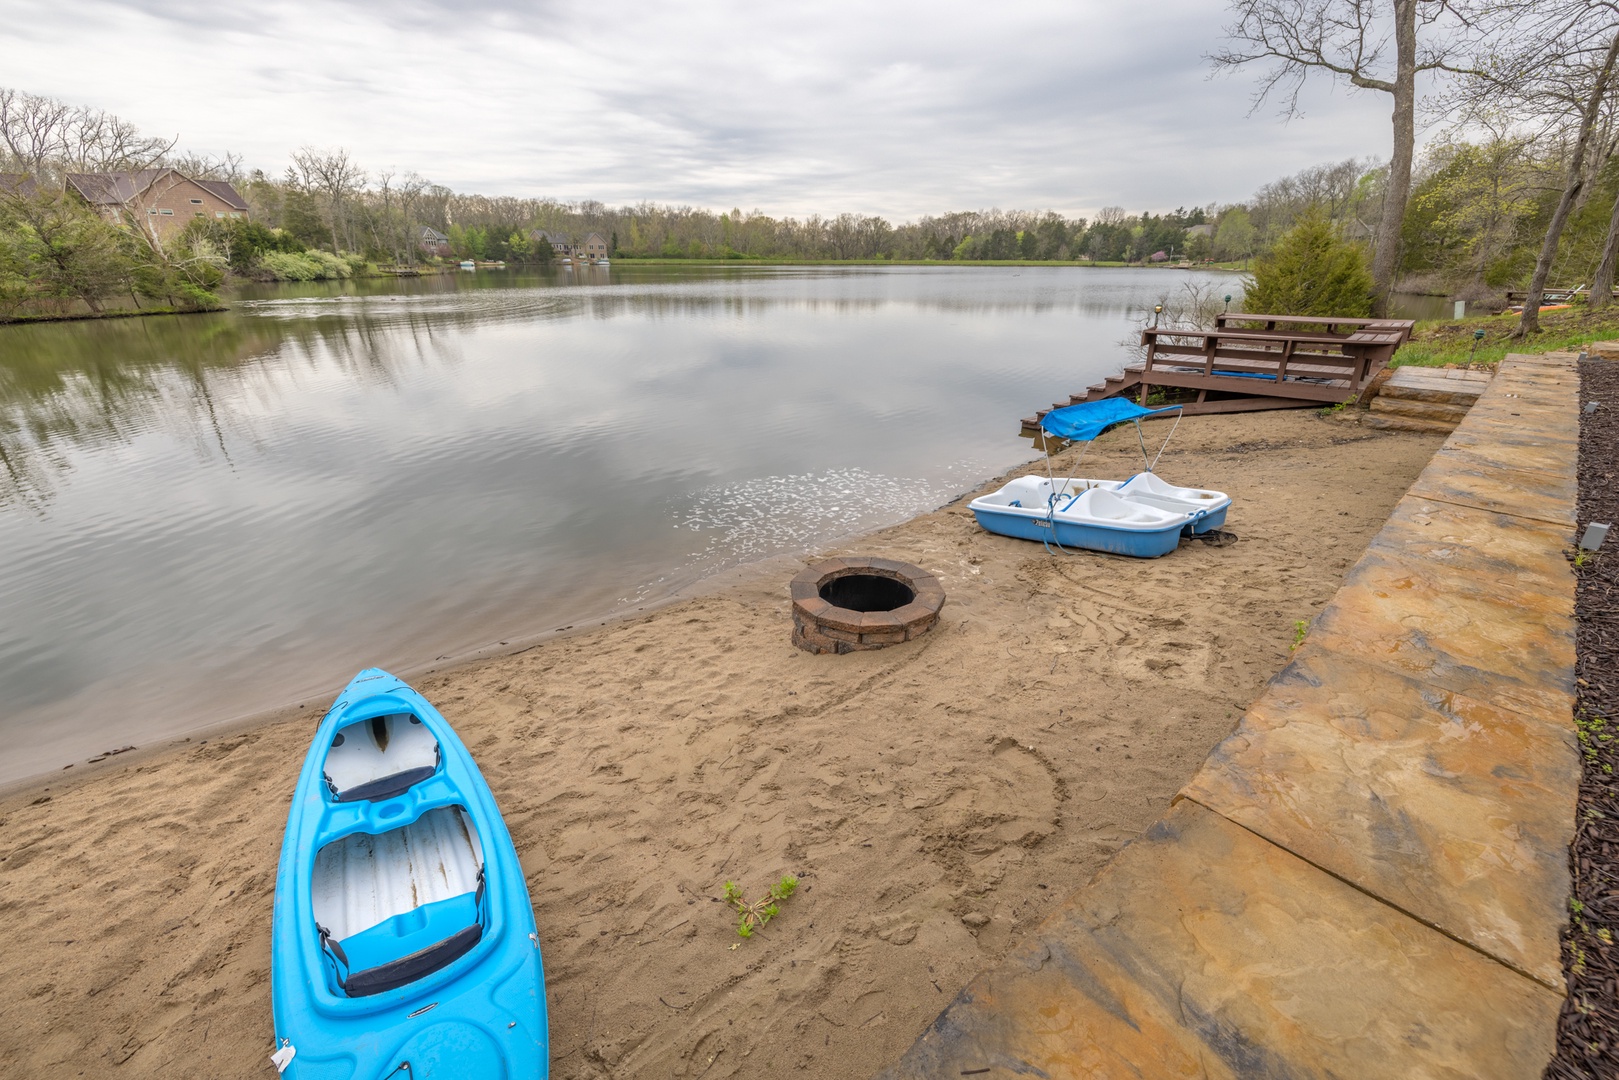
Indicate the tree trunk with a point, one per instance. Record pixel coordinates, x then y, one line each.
1529 322
1602 284
1386 260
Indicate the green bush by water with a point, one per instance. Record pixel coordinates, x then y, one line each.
1312 270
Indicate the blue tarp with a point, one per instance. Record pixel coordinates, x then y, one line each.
1088 419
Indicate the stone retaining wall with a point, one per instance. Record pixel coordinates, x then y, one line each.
1369 877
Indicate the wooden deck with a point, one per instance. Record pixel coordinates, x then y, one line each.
1249 362
1551 295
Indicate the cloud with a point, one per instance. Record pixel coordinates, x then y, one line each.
901 108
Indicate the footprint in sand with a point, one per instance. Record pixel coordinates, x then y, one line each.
1008 798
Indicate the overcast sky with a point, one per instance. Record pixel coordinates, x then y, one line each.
900 108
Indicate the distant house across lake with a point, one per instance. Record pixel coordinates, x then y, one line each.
592 250
561 246
433 242
161 200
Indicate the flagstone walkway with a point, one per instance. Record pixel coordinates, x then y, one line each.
1369 877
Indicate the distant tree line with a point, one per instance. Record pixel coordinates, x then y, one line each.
1520 189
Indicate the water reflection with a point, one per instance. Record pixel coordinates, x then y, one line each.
204 516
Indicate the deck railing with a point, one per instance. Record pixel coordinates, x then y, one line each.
1331 327
1272 362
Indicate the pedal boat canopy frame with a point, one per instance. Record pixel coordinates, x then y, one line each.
1088 420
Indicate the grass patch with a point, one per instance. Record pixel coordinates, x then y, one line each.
1450 341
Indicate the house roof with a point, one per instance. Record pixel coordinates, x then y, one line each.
432 236
224 192
117 188
554 239
21 184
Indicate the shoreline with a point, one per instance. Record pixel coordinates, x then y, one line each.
784 563
97 316
937 798
446 271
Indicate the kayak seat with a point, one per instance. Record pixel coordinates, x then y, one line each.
380 757
407 946
408 969
386 787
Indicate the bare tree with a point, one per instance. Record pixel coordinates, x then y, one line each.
411 192
32 130
333 175
40 135
1529 321
1371 45
1557 72
226 167
1602 283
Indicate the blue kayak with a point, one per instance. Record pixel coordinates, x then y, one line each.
403 943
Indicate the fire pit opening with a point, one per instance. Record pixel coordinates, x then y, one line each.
845 605
867 592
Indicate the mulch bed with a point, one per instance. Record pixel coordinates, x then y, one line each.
1588 1030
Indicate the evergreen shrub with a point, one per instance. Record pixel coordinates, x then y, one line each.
1312 270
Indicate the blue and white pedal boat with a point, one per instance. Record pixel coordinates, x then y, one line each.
403 944
1095 519
1143 516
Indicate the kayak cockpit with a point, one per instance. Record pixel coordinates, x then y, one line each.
380 757
393 907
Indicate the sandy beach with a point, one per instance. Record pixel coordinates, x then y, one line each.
935 798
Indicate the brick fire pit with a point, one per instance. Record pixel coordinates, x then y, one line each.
844 605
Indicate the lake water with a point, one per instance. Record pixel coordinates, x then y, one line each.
205 517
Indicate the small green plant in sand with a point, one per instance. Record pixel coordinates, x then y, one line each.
753 916
1300 628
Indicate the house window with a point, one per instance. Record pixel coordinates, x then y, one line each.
151 209
234 214
197 201
219 213
169 213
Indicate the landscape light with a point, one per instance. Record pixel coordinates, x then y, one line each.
1595 533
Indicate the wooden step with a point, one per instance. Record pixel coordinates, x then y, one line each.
1420 410
1406 423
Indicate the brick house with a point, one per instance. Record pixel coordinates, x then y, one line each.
162 201
433 242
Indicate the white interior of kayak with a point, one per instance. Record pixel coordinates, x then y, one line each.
368 750
362 879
